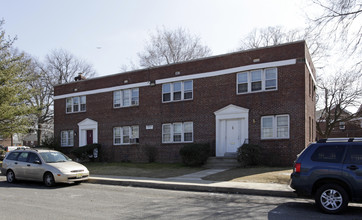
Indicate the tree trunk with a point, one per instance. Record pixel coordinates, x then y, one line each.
39 131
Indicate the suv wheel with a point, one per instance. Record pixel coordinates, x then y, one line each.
10 176
331 198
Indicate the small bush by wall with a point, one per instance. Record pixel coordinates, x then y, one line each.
87 152
249 155
195 154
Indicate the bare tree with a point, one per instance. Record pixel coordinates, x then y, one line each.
172 46
340 21
42 99
336 95
275 35
61 66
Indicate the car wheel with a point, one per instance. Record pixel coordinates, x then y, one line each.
49 179
331 198
10 176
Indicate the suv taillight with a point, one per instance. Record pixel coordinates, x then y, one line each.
297 167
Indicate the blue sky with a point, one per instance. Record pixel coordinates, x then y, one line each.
109 33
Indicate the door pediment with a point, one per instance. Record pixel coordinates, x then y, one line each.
88 122
231 109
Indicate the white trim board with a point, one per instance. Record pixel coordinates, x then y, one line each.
182 78
228 71
109 89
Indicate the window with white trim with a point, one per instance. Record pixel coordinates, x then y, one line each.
126 135
126 98
177 91
177 132
275 127
67 138
76 104
257 80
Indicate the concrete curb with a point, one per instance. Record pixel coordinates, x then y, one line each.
191 187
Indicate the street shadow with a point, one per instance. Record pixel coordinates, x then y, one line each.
300 210
32 185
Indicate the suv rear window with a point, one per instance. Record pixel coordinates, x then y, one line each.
12 156
329 153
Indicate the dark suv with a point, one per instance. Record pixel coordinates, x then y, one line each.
331 172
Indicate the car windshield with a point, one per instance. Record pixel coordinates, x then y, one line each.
54 157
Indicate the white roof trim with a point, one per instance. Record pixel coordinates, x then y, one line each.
182 78
228 71
310 72
96 91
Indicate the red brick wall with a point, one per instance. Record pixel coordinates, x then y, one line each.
209 95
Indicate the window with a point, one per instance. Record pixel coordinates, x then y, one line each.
126 98
271 79
12 156
33 158
177 91
23 157
329 153
354 155
275 127
242 82
67 138
257 80
177 132
126 135
342 125
76 104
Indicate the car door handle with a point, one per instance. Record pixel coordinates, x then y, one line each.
28 165
353 167
16 162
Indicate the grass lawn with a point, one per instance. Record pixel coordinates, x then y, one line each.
254 174
154 170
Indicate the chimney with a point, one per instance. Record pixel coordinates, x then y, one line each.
79 77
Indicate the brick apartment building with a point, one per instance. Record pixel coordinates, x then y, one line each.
262 96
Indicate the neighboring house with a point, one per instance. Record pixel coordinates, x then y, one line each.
30 140
4 141
348 128
262 96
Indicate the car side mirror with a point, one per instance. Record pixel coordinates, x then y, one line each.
37 162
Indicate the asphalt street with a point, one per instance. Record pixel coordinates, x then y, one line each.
29 200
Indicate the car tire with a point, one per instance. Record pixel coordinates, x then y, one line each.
331 198
49 179
10 176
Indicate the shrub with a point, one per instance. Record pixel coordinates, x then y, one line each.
151 153
249 155
86 152
195 154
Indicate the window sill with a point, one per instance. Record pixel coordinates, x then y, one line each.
67 146
246 93
125 107
274 139
184 142
126 144
74 112
184 100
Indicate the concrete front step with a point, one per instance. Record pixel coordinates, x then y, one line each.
221 162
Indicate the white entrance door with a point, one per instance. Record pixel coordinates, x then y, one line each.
231 129
233 135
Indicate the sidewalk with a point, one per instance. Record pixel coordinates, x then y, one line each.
194 182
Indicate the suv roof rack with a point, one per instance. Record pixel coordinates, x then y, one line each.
326 140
